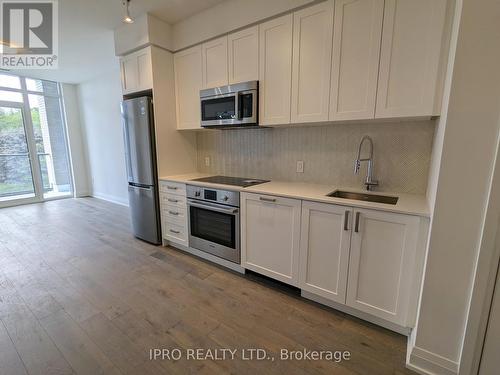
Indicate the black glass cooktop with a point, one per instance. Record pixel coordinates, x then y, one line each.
234 181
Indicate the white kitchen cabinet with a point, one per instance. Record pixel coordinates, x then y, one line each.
136 71
355 62
324 250
270 236
275 70
410 57
188 82
243 53
173 212
214 63
312 59
382 263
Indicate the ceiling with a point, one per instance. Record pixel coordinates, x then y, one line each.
86 46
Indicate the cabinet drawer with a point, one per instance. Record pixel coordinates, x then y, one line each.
173 214
168 199
175 188
175 232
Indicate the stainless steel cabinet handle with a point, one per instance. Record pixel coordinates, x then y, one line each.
356 227
268 199
172 187
174 231
173 200
346 220
173 213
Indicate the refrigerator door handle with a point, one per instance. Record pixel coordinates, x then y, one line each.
141 187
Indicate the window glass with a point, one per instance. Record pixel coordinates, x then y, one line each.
34 85
51 148
11 96
13 82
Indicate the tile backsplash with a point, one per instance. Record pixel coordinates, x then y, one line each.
402 152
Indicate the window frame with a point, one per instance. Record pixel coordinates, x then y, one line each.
29 129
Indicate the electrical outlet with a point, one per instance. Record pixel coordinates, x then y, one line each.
300 166
207 161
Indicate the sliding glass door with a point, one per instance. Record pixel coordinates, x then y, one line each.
16 176
34 158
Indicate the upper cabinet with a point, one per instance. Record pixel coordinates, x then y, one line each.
336 60
136 71
188 82
214 63
410 57
355 62
312 54
243 53
275 70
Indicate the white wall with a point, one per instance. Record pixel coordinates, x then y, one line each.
76 141
228 16
467 160
99 101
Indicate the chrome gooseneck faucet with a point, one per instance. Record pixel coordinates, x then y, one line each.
369 182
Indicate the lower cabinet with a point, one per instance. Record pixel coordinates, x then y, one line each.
382 263
270 236
324 250
173 212
365 259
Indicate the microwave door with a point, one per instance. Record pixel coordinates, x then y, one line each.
219 110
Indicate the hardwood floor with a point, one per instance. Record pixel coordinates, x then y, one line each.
80 295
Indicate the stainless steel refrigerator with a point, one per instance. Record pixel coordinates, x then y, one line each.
140 154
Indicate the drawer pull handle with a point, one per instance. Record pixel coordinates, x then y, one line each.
173 200
272 200
171 187
173 213
174 231
356 227
346 220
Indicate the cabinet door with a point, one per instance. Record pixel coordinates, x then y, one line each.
410 57
214 57
355 62
130 71
137 72
275 70
382 258
188 81
243 51
145 68
270 236
324 249
312 62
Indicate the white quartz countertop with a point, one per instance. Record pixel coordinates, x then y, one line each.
411 204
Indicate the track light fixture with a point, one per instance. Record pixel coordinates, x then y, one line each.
127 18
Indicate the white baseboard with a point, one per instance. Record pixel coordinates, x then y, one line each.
428 363
110 198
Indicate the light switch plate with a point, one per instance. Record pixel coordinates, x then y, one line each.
300 166
207 161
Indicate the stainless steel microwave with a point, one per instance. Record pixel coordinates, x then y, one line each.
230 106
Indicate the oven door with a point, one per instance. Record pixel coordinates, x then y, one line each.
215 229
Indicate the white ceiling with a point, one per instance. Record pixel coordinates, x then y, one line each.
86 47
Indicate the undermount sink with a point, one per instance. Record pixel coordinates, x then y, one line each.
363 197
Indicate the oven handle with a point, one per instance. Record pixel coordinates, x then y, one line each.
212 207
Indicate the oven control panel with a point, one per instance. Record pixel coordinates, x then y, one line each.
226 197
